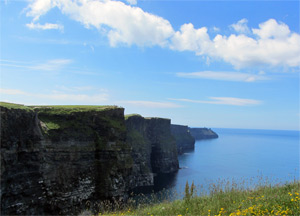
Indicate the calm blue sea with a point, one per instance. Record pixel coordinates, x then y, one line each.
238 154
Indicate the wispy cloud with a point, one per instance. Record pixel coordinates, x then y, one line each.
241 26
223 101
46 26
12 92
224 75
52 65
151 104
60 97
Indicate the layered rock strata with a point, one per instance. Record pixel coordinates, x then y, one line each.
61 160
55 161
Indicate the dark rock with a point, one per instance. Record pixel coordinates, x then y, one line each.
65 160
184 140
154 147
203 133
164 157
77 159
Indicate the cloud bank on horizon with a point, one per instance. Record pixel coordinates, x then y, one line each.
271 44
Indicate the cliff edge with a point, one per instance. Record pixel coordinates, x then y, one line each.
203 133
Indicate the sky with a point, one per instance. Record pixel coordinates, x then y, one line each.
217 64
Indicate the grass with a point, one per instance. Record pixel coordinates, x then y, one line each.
14 106
130 115
58 109
262 200
68 109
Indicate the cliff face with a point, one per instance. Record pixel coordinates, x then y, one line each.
164 151
141 151
184 140
61 160
20 162
56 161
153 147
203 133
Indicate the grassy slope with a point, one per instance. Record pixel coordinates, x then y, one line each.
266 200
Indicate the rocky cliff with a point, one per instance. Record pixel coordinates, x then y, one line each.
184 140
153 143
60 160
141 150
56 160
203 133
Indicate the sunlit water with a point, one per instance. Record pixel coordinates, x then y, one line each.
240 155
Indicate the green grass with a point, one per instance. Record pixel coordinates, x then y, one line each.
14 106
58 109
68 109
130 115
263 200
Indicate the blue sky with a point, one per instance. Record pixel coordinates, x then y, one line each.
231 64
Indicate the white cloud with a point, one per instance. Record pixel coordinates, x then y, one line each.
189 38
216 29
60 97
40 7
122 23
151 104
272 44
46 26
52 65
223 101
241 26
224 75
275 45
242 51
271 29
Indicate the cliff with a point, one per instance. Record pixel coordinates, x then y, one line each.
141 150
62 159
203 133
54 160
184 140
153 145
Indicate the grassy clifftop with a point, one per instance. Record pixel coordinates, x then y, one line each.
14 106
58 109
68 109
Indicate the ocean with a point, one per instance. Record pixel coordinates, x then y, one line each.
238 155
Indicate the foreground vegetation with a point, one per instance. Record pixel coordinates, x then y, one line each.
263 200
